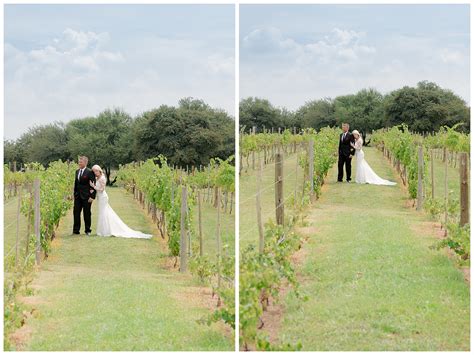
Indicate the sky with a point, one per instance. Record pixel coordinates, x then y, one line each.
291 54
70 61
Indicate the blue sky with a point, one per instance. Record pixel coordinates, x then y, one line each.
69 61
291 54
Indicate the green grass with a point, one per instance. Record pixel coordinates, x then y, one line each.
209 229
453 179
98 293
10 224
248 231
371 279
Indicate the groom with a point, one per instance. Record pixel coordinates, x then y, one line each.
346 151
83 196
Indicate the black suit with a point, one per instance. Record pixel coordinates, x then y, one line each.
82 192
346 151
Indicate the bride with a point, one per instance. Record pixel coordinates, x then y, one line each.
364 173
109 223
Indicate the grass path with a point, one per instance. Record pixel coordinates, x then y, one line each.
116 294
372 281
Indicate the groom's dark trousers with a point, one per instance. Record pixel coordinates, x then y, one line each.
345 156
82 192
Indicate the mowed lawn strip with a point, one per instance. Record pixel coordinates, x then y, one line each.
372 281
98 293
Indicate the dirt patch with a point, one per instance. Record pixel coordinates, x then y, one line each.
20 337
299 257
197 296
272 318
428 228
30 300
202 297
467 274
307 231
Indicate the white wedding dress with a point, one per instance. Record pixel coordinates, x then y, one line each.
109 223
364 173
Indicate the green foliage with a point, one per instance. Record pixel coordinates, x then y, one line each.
424 108
403 145
363 110
161 186
262 114
203 267
225 311
104 139
190 134
458 240
325 154
261 276
316 114
41 144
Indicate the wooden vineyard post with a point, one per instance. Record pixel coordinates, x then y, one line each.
432 176
183 256
28 225
279 205
253 151
188 234
261 237
464 196
218 239
17 227
311 168
446 194
37 221
216 197
240 154
201 252
419 192
296 174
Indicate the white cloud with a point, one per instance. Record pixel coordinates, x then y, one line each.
452 56
339 45
81 73
291 70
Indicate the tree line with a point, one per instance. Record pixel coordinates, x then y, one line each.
423 108
187 135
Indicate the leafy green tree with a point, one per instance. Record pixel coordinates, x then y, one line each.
41 144
12 151
363 110
259 113
426 108
316 114
105 139
190 134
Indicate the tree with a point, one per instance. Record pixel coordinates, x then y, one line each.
426 108
190 134
41 144
316 114
260 113
12 151
105 139
363 110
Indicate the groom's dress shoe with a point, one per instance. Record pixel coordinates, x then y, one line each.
76 233
88 234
